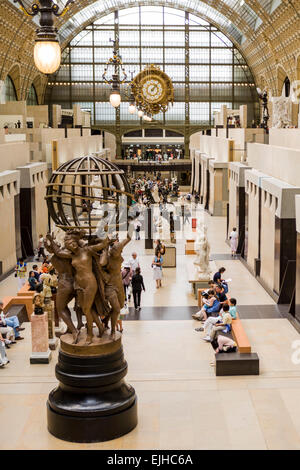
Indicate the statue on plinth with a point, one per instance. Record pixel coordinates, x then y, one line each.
202 248
92 402
38 302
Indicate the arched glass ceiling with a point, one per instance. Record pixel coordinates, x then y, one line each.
238 6
245 17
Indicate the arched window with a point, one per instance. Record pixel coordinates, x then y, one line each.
287 87
206 69
10 93
32 98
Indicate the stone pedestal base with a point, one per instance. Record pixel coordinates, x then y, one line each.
39 333
92 403
40 357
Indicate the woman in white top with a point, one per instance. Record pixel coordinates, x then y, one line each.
233 241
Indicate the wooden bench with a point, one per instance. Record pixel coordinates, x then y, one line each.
19 300
24 291
240 336
200 297
242 362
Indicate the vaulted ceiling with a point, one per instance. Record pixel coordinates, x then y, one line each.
266 31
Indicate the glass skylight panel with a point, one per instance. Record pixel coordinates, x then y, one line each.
100 7
152 15
224 80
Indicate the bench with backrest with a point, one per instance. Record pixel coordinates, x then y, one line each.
24 309
25 290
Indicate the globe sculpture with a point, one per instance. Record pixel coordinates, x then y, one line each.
88 198
89 192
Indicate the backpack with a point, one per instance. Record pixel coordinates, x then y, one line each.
225 287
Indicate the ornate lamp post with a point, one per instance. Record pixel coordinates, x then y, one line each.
47 53
114 81
132 106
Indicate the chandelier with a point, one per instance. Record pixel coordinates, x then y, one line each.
132 106
116 63
46 53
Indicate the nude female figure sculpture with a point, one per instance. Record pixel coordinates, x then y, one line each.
114 290
85 283
65 288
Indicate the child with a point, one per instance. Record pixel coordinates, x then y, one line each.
224 344
232 308
223 323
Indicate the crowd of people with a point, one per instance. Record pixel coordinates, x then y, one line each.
143 189
217 313
10 327
153 155
133 281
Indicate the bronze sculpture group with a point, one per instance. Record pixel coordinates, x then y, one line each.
89 271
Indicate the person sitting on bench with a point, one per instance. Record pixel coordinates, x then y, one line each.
211 307
3 356
224 344
218 276
10 321
232 308
32 281
224 325
9 333
35 272
214 324
221 296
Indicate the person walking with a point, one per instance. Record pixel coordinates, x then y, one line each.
137 227
41 248
137 283
157 268
126 278
233 237
20 273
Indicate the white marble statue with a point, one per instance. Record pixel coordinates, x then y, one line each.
97 192
202 248
282 110
155 194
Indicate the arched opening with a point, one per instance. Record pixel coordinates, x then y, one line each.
286 87
216 72
9 90
281 76
32 99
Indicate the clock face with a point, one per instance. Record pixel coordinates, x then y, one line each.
152 90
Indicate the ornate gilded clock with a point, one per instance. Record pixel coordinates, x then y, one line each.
153 89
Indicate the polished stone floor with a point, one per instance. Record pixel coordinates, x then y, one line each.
182 405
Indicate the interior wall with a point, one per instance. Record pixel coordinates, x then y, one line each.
41 180
253 228
267 239
232 200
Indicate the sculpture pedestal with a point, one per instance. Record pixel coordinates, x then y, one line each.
92 403
39 339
